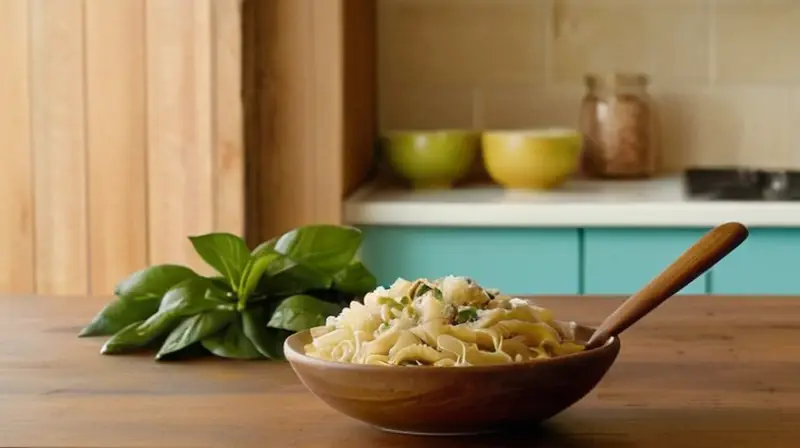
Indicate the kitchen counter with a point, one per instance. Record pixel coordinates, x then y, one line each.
700 371
659 202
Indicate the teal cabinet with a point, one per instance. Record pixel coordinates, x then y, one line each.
621 261
518 261
767 262
615 261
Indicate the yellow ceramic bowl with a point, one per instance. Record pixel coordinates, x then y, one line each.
532 159
431 159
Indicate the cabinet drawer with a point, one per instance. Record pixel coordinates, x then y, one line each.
766 263
517 261
621 261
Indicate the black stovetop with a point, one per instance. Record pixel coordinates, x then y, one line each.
736 184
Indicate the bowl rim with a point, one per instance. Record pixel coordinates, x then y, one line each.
455 132
554 132
613 344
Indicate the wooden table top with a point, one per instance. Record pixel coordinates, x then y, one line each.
699 371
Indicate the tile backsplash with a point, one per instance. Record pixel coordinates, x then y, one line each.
725 76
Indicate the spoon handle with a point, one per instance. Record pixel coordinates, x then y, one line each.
705 253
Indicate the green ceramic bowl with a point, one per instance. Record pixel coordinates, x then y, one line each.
431 159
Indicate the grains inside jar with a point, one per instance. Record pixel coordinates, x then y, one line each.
616 120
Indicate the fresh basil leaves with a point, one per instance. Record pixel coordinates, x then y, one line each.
194 329
226 253
138 297
287 284
302 311
232 342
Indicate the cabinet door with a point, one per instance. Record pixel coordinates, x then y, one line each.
766 263
621 261
517 261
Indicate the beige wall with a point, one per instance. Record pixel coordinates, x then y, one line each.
726 74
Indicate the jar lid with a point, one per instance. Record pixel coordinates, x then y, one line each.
616 79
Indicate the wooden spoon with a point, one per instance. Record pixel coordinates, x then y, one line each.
699 258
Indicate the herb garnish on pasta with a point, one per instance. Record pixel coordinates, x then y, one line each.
450 321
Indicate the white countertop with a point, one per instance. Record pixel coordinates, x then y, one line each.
659 202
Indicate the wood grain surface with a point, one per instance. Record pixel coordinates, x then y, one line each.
699 371
309 93
116 138
58 146
120 135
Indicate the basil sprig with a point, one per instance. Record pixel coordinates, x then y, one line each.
260 297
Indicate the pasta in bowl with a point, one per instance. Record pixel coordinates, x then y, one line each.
447 356
451 321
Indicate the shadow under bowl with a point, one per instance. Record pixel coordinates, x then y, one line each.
453 400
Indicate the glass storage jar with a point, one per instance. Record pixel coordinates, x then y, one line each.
617 122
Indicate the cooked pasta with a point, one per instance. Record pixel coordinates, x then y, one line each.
450 321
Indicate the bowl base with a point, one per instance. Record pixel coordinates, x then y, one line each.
435 434
431 185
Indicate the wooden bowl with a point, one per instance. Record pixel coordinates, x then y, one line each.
453 400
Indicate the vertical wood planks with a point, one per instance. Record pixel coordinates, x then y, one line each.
16 189
116 139
228 117
360 91
327 107
315 109
253 28
179 107
288 121
59 146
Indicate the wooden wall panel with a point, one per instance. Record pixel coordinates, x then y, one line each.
253 94
228 117
180 156
288 144
16 190
323 161
311 137
360 114
116 140
58 145
124 131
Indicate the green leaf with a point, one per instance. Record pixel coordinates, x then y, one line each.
324 248
301 312
467 315
316 257
133 337
254 272
190 297
194 329
355 279
152 282
225 252
221 283
295 279
194 296
264 248
118 314
268 341
231 342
